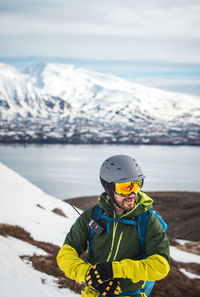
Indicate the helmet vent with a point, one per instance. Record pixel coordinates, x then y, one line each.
120 169
124 178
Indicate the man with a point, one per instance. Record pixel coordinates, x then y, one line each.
119 263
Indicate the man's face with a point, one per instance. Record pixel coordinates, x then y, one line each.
127 203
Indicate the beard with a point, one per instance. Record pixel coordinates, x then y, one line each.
127 203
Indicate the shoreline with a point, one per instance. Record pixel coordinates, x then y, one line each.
52 142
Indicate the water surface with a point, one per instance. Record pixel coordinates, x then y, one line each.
68 171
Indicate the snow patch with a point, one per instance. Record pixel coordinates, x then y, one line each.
182 256
189 274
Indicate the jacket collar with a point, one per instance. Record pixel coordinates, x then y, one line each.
143 203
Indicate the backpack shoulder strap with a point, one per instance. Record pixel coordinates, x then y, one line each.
158 216
142 227
96 216
142 230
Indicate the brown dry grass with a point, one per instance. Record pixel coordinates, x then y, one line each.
20 233
46 263
191 247
176 284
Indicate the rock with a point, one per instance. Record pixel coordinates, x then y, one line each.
59 212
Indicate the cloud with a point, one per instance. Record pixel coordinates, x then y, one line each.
100 19
129 29
184 22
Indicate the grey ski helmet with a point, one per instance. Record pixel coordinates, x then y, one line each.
119 169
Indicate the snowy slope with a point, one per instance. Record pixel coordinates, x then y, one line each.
55 101
18 277
27 206
19 200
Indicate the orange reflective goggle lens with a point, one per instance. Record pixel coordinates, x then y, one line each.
125 189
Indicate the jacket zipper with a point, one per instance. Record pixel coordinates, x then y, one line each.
113 238
120 238
115 224
118 244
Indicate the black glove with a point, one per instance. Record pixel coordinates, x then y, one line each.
98 274
108 288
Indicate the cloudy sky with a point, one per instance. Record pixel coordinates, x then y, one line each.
164 32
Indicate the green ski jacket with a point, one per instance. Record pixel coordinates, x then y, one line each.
119 245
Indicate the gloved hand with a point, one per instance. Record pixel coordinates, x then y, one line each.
108 288
99 273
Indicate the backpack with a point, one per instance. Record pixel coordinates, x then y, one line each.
141 225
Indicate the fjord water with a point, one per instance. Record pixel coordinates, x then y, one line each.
69 171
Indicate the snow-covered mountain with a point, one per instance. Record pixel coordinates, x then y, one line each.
62 103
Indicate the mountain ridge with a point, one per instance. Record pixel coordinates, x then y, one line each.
66 104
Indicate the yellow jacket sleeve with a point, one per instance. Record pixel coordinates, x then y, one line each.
153 268
69 262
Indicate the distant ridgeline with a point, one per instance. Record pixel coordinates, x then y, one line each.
55 103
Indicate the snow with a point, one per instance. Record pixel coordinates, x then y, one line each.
18 277
56 92
182 256
189 274
19 199
21 204
182 241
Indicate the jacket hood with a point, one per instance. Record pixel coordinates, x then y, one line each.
143 203
144 199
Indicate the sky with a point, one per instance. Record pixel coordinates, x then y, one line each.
147 41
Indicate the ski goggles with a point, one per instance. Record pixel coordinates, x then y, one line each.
125 189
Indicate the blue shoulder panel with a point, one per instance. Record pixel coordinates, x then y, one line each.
158 216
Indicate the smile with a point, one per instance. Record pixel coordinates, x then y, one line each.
129 199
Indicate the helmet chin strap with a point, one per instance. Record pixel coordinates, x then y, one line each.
114 201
